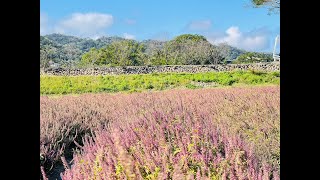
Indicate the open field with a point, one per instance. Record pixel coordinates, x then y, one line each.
211 133
122 98
51 85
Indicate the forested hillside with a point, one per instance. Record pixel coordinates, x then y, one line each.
57 50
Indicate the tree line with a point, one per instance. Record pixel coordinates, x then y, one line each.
187 49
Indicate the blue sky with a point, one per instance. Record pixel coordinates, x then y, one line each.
230 21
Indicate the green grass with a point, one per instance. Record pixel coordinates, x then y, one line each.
56 85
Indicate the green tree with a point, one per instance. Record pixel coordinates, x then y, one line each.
274 5
47 56
118 53
253 57
91 58
44 59
191 49
70 54
186 37
158 57
228 52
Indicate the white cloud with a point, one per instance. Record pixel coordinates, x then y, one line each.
128 36
253 41
199 25
84 24
130 21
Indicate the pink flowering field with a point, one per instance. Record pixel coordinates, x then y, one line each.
213 133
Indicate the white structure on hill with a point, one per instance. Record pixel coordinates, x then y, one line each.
276 57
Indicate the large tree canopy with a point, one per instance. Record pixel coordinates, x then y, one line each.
191 49
118 53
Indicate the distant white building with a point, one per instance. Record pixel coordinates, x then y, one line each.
276 56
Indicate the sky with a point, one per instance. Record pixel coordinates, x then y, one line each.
234 22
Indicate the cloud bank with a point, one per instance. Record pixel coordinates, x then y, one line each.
253 41
78 24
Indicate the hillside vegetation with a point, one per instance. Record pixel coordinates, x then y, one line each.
57 50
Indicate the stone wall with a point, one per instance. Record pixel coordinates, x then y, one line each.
270 66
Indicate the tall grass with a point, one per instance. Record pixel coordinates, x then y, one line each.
137 83
222 132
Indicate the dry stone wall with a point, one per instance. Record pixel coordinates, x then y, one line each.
270 66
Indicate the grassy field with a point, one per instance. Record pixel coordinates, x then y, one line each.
51 85
212 133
